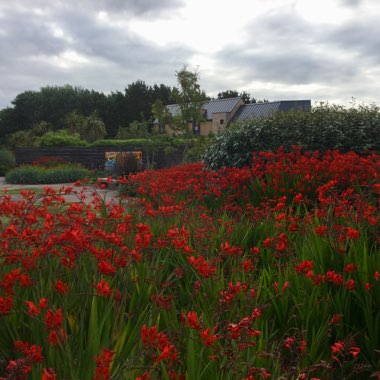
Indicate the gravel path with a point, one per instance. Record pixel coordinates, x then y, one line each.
109 195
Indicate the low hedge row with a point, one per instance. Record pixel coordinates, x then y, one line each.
324 127
29 174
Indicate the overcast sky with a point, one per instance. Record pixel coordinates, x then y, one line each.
325 50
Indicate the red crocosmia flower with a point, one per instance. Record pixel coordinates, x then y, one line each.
33 310
103 364
267 242
105 267
337 347
285 286
354 351
43 303
350 268
350 285
54 320
5 305
48 374
289 342
304 267
32 352
53 338
336 318
321 230
256 313
302 345
103 288
247 266
376 276
207 339
144 376
255 250
298 198
192 320
61 287
25 280
352 233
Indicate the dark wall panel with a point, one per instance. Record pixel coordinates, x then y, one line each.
93 158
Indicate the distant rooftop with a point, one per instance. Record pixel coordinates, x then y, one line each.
263 110
211 107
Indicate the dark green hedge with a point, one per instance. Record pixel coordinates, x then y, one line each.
324 127
60 138
29 174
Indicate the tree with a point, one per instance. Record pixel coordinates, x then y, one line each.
137 129
74 122
94 128
246 97
41 128
189 98
161 114
138 100
228 94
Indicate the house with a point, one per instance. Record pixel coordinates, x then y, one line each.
219 113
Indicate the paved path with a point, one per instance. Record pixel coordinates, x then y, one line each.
109 195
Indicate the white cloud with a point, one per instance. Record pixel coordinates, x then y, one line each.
325 50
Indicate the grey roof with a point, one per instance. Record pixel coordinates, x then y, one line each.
211 107
263 110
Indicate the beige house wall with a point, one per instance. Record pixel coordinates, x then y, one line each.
220 120
206 128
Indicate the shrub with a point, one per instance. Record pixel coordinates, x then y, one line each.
29 174
49 162
7 160
60 138
127 163
324 127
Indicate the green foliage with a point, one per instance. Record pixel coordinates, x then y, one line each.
60 138
324 127
29 174
189 98
7 160
156 143
93 128
20 139
197 148
73 122
53 104
137 129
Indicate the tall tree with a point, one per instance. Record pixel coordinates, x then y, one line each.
190 99
138 99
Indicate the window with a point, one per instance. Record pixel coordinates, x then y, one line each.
196 129
221 121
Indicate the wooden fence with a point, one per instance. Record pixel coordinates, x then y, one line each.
94 158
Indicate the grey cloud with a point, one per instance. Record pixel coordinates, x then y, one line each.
282 47
23 35
292 66
351 3
115 56
140 7
360 36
